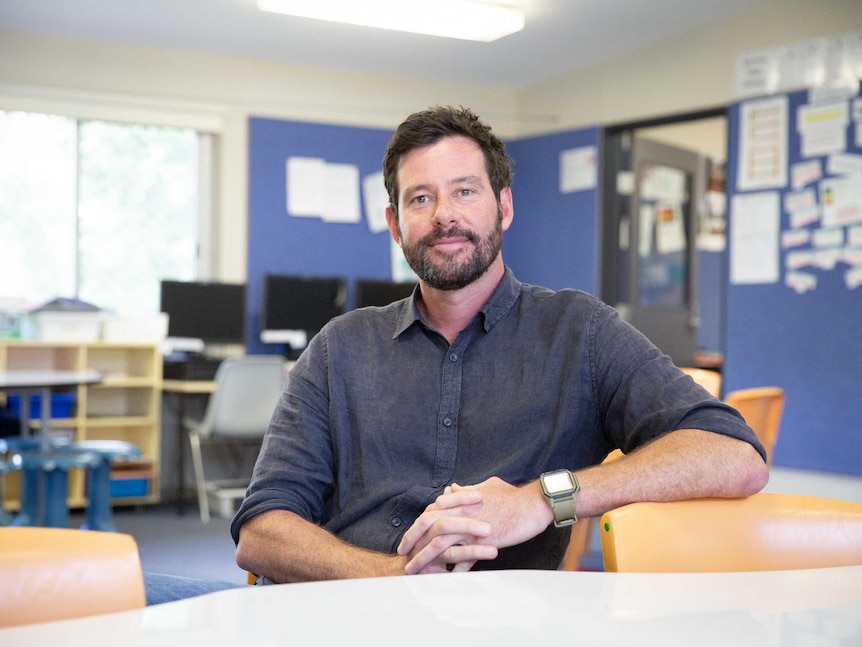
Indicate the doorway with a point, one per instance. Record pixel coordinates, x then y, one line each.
664 214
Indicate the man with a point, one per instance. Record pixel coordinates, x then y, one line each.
464 427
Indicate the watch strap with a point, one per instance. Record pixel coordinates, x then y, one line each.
564 510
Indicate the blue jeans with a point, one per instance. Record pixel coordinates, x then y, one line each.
167 588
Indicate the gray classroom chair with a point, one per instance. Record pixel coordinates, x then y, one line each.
238 412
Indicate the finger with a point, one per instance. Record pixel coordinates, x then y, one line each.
433 525
456 505
462 567
455 496
435 546
457 558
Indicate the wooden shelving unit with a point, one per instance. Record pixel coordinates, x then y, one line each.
126 405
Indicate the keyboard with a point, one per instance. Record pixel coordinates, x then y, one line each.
194 368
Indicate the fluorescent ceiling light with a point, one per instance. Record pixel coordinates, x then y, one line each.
449 18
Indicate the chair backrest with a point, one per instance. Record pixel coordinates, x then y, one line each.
709 380
762 408
762 532
246 392
50 574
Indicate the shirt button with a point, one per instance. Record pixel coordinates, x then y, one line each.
395 521
447 421
453 357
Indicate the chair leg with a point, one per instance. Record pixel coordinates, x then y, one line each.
99 515
200 482
56 491
28 511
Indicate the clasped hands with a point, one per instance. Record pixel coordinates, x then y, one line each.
469 523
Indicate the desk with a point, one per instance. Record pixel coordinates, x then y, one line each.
183 389
517 608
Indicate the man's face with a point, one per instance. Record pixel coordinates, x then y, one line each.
450 225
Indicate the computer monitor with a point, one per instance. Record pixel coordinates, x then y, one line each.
295 308
211 312
371 292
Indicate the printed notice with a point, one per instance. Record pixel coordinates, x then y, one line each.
375 200
578 169
822 128
763 135
754 232
841 201
803 173
316 189
306 179
341 201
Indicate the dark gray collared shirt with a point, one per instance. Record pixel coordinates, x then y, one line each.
380 413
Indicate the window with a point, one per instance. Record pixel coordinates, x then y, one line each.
97 210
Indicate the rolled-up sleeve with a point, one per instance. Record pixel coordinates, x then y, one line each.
642 394
294 470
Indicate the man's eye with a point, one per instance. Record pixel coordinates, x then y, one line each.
420 199
465 193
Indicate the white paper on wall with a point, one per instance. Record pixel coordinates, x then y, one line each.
341 201
375 200
306 179
754 245
578 169
841 201
763 136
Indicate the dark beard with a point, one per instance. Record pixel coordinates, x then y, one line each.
449 275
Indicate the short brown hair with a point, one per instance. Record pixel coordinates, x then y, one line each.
430 126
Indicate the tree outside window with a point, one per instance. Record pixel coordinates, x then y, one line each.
94 210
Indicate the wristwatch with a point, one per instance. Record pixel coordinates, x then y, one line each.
561 491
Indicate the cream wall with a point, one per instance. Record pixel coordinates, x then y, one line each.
691 72
687 73
92 79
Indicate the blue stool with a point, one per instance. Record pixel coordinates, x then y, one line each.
54 467
29 512
99 515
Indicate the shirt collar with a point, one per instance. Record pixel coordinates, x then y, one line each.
495 308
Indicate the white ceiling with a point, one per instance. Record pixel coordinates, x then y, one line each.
560 35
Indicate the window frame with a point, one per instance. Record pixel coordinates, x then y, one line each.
208 120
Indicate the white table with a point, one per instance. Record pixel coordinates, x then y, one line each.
820 607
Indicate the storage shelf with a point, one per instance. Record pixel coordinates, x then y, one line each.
123 382
126 405
99 422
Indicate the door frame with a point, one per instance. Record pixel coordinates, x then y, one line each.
613 139
617 142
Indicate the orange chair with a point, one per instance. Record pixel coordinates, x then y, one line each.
763 532
709 380
582 532
762 408
59 573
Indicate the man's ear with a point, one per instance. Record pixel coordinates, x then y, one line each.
507 207
392 223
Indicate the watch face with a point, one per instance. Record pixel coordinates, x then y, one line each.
557 482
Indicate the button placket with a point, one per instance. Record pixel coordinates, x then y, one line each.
450 402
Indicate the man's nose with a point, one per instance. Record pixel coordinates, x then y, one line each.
445 212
